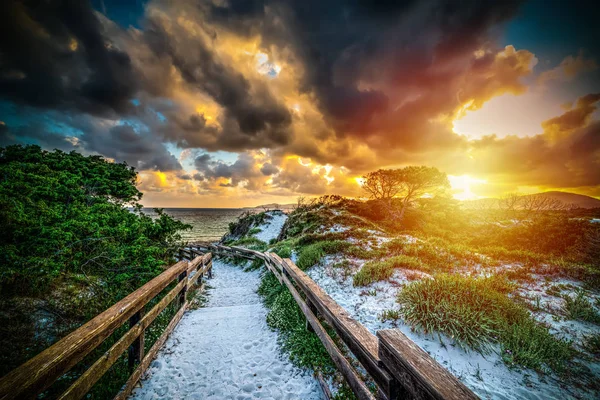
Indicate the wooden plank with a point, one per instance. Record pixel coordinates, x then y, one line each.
82 385
420 375
40 372
186 253
359 340
278 261
135 377
199 260
356 384
183 277
324 386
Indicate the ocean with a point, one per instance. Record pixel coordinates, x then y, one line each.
208 224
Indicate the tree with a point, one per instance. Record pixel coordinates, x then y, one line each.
420 181
67 213
383 184
409 183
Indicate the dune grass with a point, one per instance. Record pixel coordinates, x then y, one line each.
373 271
313 253
578 307
249 242
477 313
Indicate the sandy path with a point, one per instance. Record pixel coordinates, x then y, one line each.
226 350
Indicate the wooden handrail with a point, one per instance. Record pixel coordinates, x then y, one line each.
422 376
37 374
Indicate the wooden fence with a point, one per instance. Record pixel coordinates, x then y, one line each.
40 372
400 368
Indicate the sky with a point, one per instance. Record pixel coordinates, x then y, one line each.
223 103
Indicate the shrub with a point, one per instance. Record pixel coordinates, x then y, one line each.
527 343
250 243
373 271
389 315
395 246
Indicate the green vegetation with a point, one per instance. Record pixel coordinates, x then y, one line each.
313 253
390 315
254 231
477 312
579 307
70 248
249 242
592 344
373 271
303 346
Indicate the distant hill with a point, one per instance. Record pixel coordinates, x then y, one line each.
577 200
273 206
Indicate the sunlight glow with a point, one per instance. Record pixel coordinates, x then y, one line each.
162 178
461 186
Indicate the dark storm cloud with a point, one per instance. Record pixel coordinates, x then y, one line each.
244 169
415 49
53 55
123 143
247 114
35 133
269 169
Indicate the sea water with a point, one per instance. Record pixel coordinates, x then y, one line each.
208 224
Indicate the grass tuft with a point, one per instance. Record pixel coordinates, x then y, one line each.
578 307
312 254
476 312
373 271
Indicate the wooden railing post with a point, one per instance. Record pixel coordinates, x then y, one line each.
313 309
136 350
183 292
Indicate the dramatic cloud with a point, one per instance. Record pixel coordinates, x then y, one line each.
53 55
285 97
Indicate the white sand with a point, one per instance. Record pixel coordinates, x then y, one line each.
226 350
487 375
271 229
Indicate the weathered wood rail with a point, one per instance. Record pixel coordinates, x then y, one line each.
40 372
399 368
